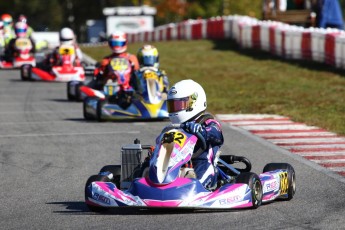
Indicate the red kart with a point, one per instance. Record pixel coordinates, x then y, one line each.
69 69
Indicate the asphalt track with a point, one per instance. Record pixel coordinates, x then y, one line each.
47 152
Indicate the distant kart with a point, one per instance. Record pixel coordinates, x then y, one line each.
115 103
67 71
163 177
22 55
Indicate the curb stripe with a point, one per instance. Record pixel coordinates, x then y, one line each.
313 143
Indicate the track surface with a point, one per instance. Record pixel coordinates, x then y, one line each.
47 152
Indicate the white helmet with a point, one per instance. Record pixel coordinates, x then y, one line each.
66 36
117 42
186 101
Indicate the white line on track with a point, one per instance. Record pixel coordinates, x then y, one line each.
65 134
42 111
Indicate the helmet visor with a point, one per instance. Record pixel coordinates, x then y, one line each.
20 30
176 105
149 60
114 43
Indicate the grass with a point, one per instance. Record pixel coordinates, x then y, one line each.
251 81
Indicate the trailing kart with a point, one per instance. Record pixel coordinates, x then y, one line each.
115 102
162 178
22 55
68 70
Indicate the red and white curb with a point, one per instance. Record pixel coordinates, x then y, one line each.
313 143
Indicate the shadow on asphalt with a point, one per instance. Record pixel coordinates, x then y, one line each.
80 208
260 55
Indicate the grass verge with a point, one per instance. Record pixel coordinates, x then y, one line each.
251 81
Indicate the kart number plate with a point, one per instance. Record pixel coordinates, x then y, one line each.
150 75
22 43
284 183
119 64
177 137
66 50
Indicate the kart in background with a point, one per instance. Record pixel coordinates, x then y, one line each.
22 55
69 69
114 102
161 177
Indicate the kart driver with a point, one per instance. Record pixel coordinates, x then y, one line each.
22 18
148 58
117 42
186 106
66 37
20 29
8 28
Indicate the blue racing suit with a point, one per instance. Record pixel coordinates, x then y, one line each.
203 160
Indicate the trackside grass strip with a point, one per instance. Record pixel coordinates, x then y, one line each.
251 81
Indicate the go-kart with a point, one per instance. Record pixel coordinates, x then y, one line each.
68 70
161 177
22 55
115 102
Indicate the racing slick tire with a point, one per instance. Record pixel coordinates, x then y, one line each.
291 176
115 170
25 72
87 116
100 104
88 182
254 183
75 96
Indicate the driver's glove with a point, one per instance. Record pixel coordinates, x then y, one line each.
193 128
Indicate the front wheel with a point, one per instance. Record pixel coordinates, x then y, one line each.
87 115
100 105
88 194
254 183
115 170
291 177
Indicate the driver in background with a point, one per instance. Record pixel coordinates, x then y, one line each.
20 29
66 38
148 57
186 106
117 42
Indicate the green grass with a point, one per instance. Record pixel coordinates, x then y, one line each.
252 81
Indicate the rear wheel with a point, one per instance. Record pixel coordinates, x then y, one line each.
77 91
290 176
70 96
254 183
115 170
91 179
25 72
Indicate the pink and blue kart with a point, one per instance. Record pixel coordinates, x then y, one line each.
161 177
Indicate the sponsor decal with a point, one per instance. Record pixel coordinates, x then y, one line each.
270 185
230 200
101 198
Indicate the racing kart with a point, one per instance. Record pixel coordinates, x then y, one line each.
67 71
115 102
161 177
22 55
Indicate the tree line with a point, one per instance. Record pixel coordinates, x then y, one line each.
51 15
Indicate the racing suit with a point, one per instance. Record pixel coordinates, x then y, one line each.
102 75
11 52
53 58
203 160
102 72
